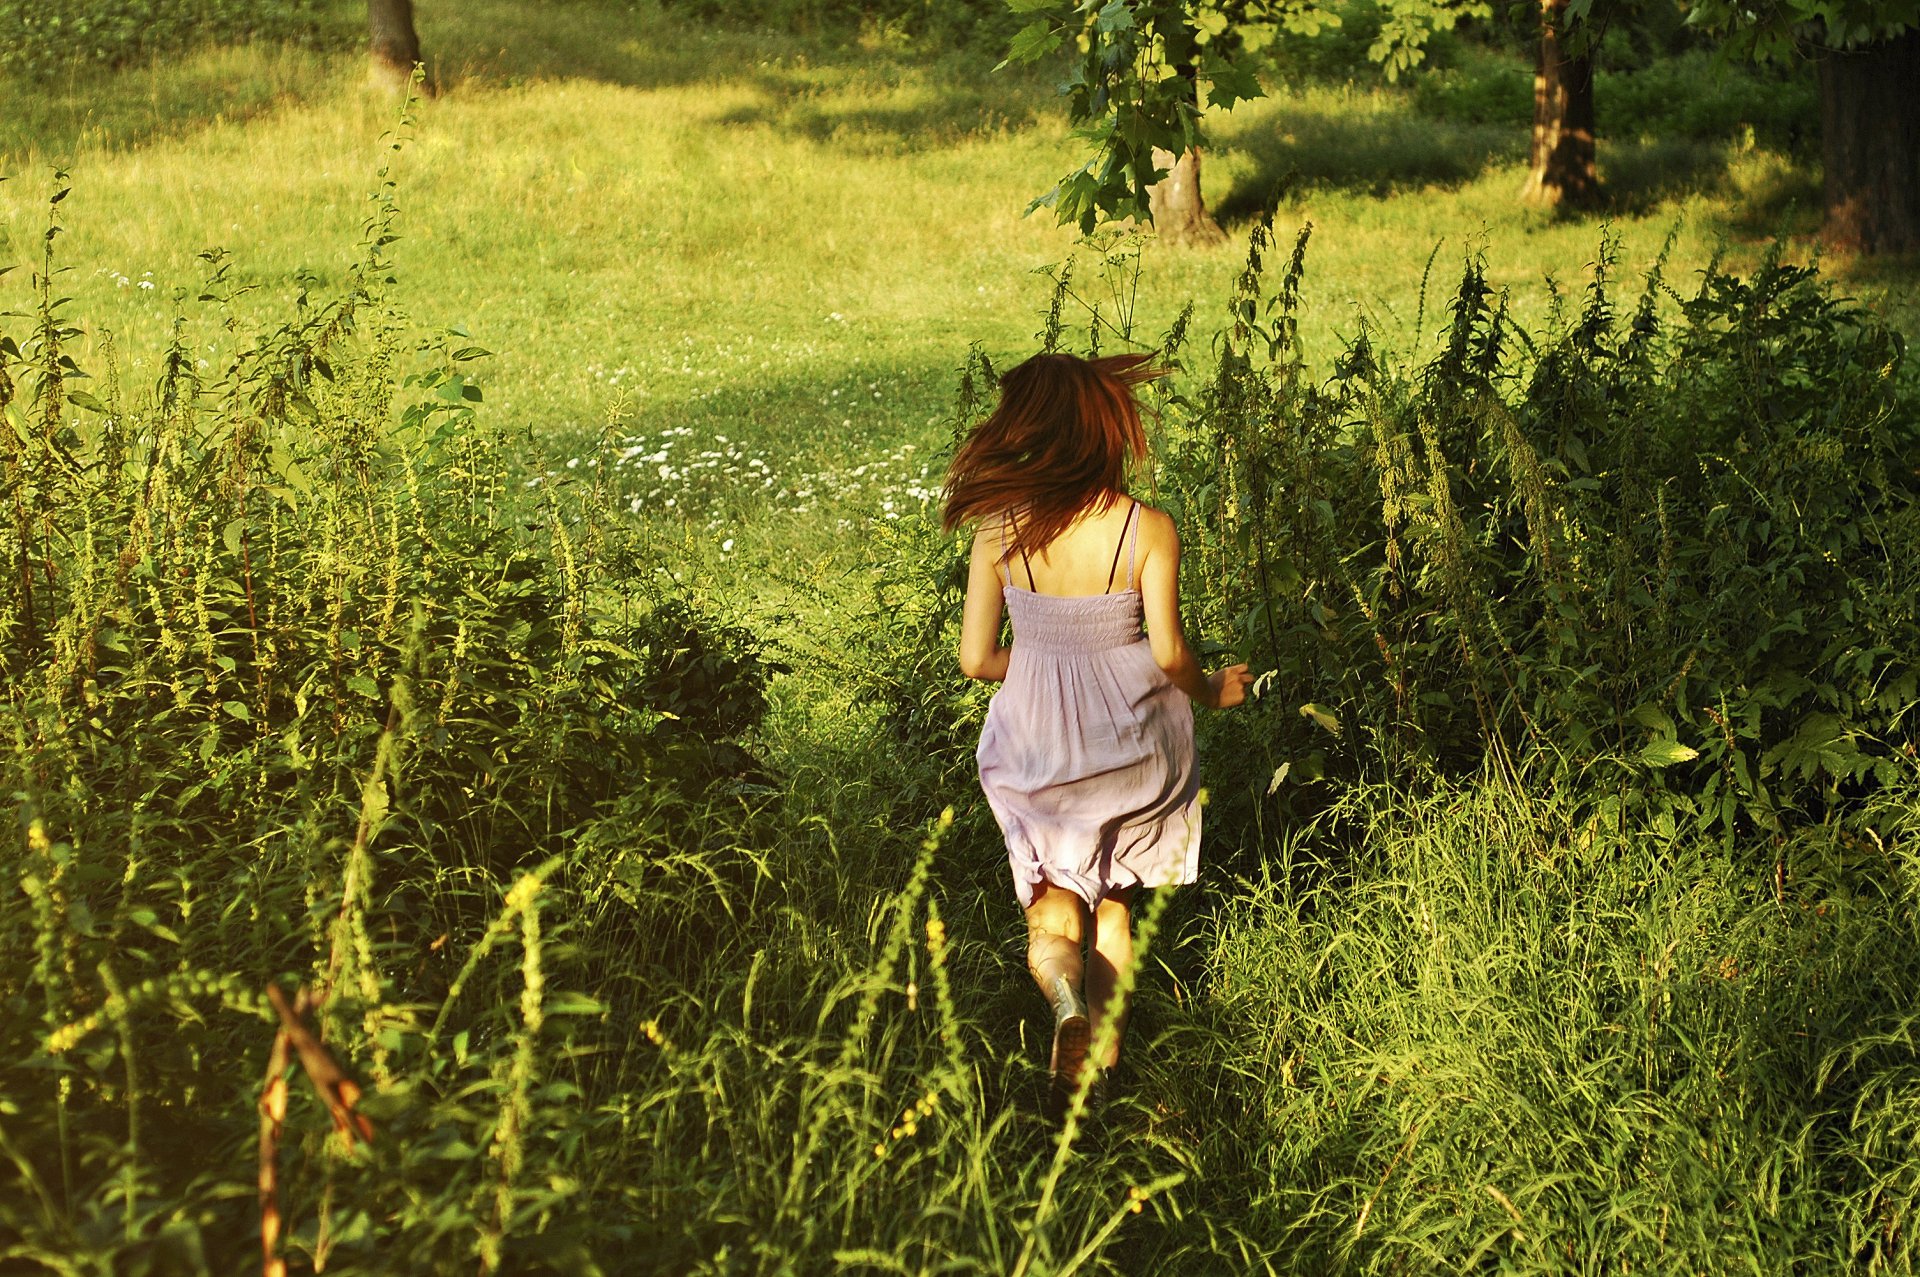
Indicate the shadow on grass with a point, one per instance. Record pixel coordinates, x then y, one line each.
1381 146
821 84
1366 150
917 118
1768 193
53 121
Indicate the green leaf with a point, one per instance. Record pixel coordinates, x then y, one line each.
1228 84
1031 6
239 710
572 1004
1654 719
1033 41
1321 715
1665 752
81 399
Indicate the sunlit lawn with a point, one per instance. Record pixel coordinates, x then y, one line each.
780 240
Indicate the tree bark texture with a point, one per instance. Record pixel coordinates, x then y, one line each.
1870 146
1179 212
1561 169
393 47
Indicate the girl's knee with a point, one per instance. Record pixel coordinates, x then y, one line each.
1056 912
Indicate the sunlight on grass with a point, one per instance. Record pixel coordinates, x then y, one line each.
748 220
569 698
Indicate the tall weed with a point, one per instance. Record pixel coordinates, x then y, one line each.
1661 554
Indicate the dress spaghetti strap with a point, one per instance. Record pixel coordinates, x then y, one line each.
1122 542
1006 568
1006 561
1133 544
1119 541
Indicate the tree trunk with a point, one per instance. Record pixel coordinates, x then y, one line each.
393 47
1561 170
1870 145
1179 213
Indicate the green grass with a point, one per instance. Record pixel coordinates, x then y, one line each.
629 985
738 231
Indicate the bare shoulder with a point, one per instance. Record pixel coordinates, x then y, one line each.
1157 529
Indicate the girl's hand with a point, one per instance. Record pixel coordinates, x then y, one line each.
1229 686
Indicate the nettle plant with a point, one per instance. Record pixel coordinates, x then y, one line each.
306 688
1665 553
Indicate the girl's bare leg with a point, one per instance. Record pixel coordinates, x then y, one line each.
1056 929
1112 954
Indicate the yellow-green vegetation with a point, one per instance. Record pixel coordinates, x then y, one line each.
493 607
717 228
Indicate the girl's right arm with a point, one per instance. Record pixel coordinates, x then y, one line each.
981 655
1160 600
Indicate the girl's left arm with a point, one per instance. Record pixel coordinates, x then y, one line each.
981 655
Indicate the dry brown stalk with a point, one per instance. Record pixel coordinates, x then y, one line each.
273 1111
336 1090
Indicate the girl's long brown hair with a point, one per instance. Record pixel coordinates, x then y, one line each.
1058 442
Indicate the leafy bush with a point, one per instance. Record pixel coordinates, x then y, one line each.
310 687
1660 559
41 37
1689 95
307 686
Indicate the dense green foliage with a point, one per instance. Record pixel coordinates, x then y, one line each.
42 37
1508 1037
1782 28
301 658
1693 96
1656 558
640 921
1135 70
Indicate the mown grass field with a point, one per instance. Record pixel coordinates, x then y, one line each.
579 711
787 240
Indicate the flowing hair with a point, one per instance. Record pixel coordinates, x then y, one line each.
1058 442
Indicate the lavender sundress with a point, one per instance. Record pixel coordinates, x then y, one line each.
1087 753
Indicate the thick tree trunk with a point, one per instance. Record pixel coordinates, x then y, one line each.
1870 145
1179 213
1561 169
393 48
